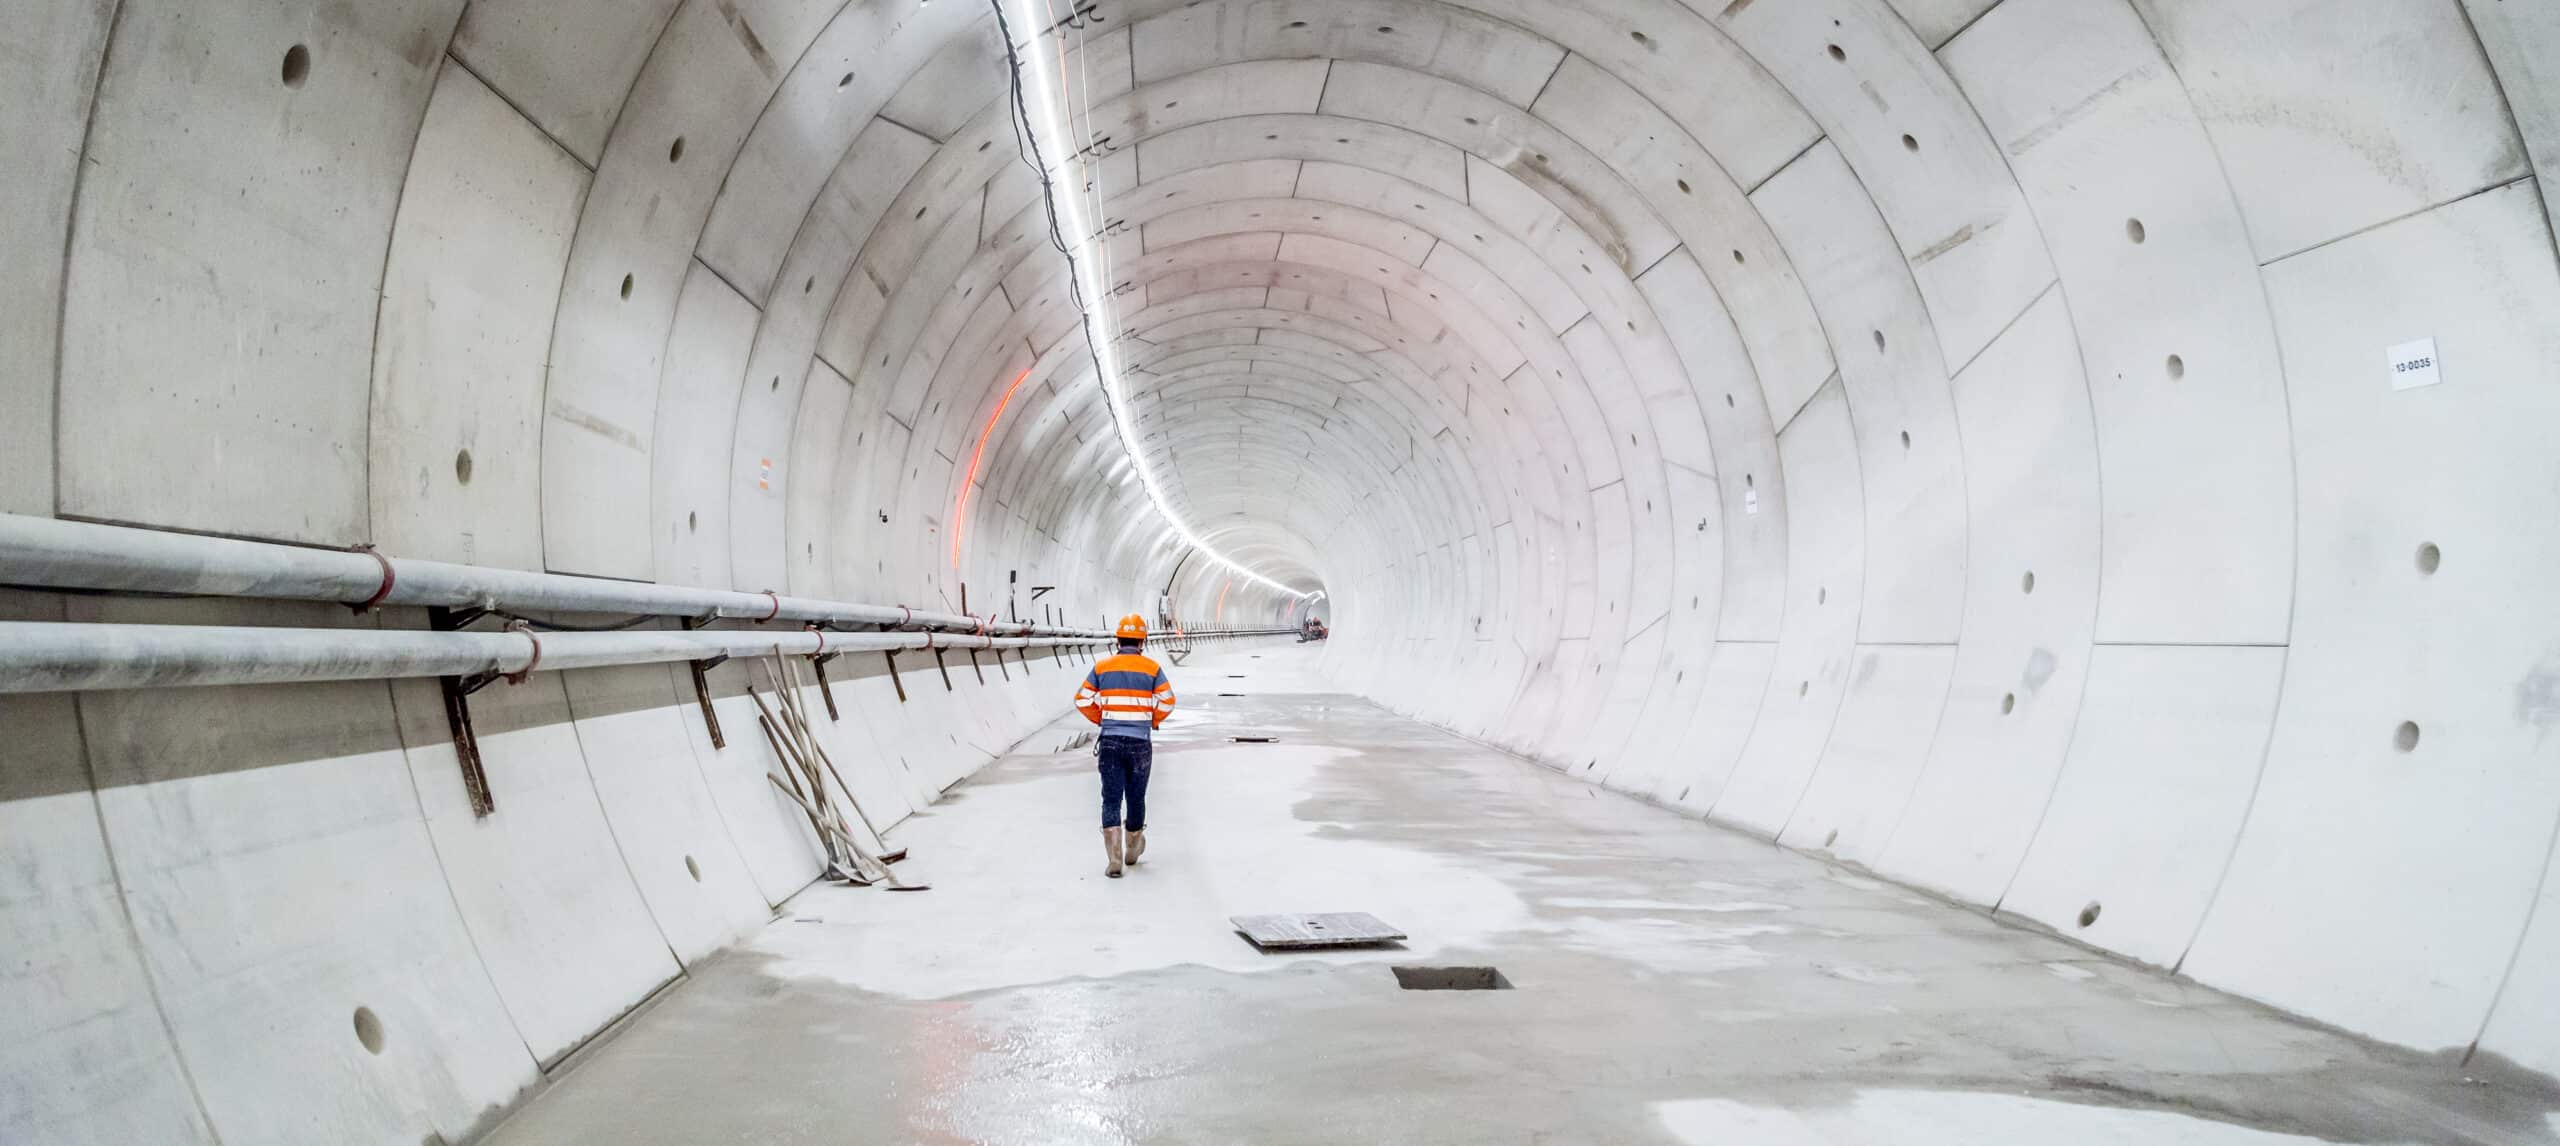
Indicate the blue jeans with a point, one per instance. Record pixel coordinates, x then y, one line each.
1124 763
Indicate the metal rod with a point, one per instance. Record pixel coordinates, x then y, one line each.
46 656
47 553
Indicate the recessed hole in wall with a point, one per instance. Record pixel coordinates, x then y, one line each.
2177 367
369 1030
1451 979
1728 401
1803 687
1836 52
297 65
626 286
844 81
2027 584
1737 258
2089 914
1910 144
2133 230
693 869
2406 738
1749 482
1641 38
1822 596
462 466
777 383
2429 557
1684 794
809 284
1684 186
1832 838
1878 335
2008 703
691 522
1255 739
1295 24
675 151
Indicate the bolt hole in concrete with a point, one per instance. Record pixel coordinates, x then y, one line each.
1879 337
1910 144
626 286
2133 230
1906 439
2429 557
462 466
2027 584
675 151
368 1030
2406 738
844 81
1832 838
297 65
2177 368
1836 52
1803 687
1255 739
1451 979
2089 914
691 522
2008 703
1230 694
693 869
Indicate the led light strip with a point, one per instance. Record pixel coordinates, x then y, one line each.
1052 127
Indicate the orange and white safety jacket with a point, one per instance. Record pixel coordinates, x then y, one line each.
1127 694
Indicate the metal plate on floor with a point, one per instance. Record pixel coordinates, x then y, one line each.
1297 932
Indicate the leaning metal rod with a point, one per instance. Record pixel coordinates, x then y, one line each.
47 553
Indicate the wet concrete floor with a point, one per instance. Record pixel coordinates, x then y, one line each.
1672 982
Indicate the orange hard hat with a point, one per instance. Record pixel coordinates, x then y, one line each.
1132 628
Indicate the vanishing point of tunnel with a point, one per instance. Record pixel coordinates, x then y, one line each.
1815 572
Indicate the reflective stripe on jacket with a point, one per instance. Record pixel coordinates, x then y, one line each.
1127 694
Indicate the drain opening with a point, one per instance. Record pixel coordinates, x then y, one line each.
1451 979
1255 739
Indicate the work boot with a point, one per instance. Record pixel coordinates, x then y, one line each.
1137 846
1111 844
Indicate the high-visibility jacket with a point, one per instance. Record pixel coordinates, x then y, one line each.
1127 694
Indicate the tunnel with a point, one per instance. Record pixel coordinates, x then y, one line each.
1888 570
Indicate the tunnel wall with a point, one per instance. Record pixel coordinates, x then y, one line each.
1957 438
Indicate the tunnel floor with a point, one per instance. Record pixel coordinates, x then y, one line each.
1671 981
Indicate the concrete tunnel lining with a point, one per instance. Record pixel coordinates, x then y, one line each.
1679 395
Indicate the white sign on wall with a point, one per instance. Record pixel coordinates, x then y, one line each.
2413 364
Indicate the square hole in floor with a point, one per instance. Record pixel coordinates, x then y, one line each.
1451 979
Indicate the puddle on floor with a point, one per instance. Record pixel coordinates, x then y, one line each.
1949 1118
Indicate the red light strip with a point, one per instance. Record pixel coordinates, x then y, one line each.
960 518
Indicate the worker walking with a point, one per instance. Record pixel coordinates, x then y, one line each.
1128 696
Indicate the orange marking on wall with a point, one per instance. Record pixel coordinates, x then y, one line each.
960 518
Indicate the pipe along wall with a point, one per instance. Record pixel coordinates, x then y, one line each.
2088 458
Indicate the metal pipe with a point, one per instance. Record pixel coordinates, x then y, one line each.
39 656
47 553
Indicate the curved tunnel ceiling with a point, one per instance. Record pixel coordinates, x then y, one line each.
1956 436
